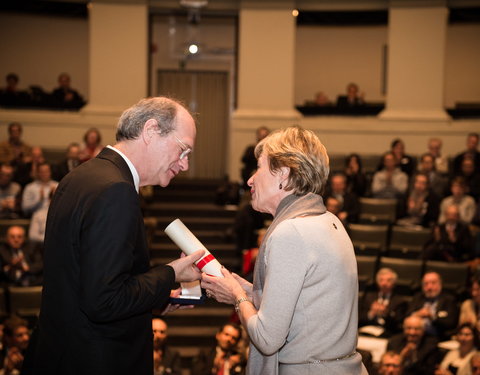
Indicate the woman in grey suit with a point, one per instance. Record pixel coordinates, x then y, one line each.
301 310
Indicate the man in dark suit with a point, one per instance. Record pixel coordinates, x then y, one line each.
383 307
470 153
71 161
224 358
99 288
438 309
165 359
418 352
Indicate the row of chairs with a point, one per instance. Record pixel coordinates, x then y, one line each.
394 241
455 276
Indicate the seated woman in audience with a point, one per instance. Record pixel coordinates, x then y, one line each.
405 162
466 204
92 144
356 179
457 361
422 206
390 181
470 308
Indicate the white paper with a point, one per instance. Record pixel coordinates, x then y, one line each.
371 330
186 240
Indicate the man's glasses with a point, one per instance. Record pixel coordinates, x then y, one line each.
186 150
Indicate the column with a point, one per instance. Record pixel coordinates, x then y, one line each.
416 63
118 55
265 92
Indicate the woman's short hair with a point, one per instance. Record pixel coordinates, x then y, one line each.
471 327
161 109
302 152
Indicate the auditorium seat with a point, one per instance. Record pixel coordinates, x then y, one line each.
367 267
368 239
407 242
25 301
377 211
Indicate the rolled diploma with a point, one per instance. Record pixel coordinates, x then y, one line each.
186 240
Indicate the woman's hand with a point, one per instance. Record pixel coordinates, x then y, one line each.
226 289
246 285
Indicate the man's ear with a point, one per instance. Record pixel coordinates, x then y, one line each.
149 130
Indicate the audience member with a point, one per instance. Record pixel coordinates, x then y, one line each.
390 181
466 204
248 159
37 193
223 358
383 307
422 206
38 223
321 100
438 182
472 177
450 241
435 149
475 364
165 360
353 98
457 361
437 308
334 206
470 153
349 206
405 162
357 182
22 264
14 150
27 171
418 352
92 144
11 96
470 308
9 194
64 96
16 339
71 161
390 364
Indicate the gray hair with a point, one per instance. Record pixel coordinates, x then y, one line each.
302 152
161 109
387 271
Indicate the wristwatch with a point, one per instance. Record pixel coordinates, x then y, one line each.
238 302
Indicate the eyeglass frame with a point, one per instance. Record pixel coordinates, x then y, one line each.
186 150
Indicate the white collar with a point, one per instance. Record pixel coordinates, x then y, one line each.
136 178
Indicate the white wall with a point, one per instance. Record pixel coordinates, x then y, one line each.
38 48
328 58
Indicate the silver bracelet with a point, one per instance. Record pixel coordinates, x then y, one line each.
238 302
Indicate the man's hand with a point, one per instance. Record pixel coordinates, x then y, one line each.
185 268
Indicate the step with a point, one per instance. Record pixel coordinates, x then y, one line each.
204 236
183 209
197 223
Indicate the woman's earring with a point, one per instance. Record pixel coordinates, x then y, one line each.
280 186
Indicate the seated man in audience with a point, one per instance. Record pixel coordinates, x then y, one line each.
383 308
22 264
349 207
450 241
14 150
27 170
9 194
438 182
390 364
16 338
390 181
471 176
64 96
475 364
224 358
165 360
71 161
422 206
437 308
37 193
471 152
418 352
435 149
466 204
352 99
